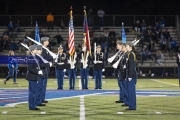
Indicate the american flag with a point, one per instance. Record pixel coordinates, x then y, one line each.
71 35
86 33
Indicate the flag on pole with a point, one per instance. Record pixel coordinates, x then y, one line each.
123 34
71 35
37 38
86 32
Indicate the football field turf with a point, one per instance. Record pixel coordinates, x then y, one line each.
157 99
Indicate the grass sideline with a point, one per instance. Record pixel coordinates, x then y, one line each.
100 107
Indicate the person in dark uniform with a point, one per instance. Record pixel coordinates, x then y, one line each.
43 65
84 58
60 62
178 63
71 67
123 65
33 72
131 77
45 54
98 67
13 68
117 58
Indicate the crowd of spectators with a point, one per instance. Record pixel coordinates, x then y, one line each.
152 36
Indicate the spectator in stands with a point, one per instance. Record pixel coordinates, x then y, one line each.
168 45
112 46
102 39
5 42
137 27
155 35
173 44
161 35
106 52
96 39
17 26
10 26
143 26
105 33
62 24
112 34
101 13
178 48
19 46
59 38
148 37
104 45
166 34
50 20
90 17
157 26
159 57
44 34
162 23
32 34
26 40
6 32
151 45
13 45
163 44
143 55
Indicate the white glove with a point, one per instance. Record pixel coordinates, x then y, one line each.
129 79
68 61
72 67
40 72
50 64
124 66
56 60
95 62
81 61
85 66
12 66
103 70
64 70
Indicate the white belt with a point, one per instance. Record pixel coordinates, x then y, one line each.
98 61
60 63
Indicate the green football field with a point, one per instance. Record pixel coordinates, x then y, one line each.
157 99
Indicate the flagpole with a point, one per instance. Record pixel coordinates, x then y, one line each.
86 32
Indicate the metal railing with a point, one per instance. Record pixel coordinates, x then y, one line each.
109 20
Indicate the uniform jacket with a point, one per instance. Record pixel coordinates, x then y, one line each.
131 65
45 54
43 67
80 58
61 61
99 57
68 58
32 69
123 65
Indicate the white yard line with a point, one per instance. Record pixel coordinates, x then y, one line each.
13 104
82 106
164 82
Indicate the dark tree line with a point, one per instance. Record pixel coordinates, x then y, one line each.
109 6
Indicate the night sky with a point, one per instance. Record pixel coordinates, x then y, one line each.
122 7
